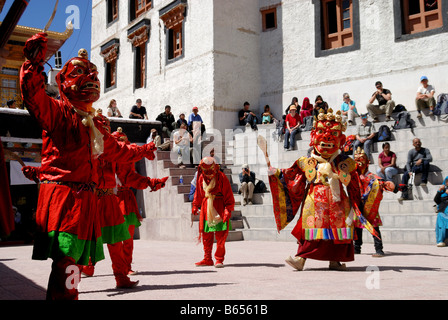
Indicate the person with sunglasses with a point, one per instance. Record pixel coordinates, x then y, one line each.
385 103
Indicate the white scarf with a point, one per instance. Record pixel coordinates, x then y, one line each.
213 218
96 136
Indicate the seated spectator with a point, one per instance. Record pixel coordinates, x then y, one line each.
195 117
417 162
267 116
319 104
168 121
182 140
11 104
294 101
307 109
364 136
441 199
247 117
292 128
138 111
425 97
385 103
247 179
157 139
112 110
181 120
387 161
348 109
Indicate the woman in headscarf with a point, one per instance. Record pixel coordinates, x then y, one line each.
306 110
441 199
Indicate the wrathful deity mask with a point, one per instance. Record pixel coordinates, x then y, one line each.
78 81
362 161
327 136
209 168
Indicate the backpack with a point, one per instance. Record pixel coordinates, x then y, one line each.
384 133
399 108
442 104
404 121
260 187
348 145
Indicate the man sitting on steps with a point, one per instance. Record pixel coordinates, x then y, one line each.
418 162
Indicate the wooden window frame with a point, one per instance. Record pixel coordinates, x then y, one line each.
140 72
419 22
8 93
264 13
342 37
109 52
112 11
173 17
147 5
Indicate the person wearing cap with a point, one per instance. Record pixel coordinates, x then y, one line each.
385 103
247 179
138 111
425 97
195 117
365 132
292 127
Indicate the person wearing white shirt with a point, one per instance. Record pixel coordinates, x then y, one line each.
182 140
425 97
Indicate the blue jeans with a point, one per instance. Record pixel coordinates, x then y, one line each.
366 146
390 172
290 138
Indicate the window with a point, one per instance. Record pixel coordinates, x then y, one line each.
112 11
269 18
138 35
140 66
421 15
9 86
173 18
141 6
175 42
138 7
109 52
337 18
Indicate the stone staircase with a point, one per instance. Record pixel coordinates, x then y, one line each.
173 219
410 222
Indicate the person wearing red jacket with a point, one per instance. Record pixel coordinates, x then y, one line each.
68 228
214 198
128 178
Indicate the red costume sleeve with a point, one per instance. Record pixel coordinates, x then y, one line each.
287 189
47 111
130 178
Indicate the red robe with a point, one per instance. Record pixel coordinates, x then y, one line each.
322 231
66 217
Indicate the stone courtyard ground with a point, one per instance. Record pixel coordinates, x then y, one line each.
253 271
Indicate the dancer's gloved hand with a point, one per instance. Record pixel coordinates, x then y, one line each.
194 211
150 151
227 215
156 184
36 48
31 173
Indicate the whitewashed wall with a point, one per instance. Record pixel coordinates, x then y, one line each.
182 84
399 65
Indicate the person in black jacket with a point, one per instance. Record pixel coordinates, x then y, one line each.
247 179
168 121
